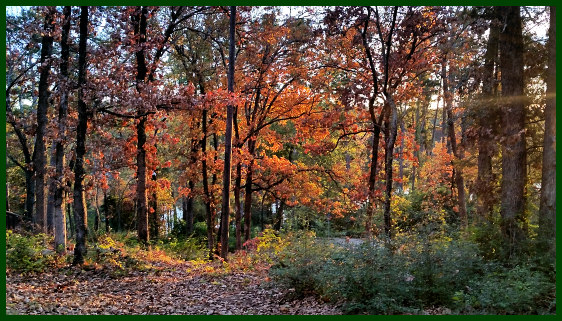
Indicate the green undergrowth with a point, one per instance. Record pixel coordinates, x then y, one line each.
411 275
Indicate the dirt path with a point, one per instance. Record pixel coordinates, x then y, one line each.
173 289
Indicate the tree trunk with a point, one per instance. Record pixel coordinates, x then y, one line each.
513 123
279 218
80 212
547 210
237 206
225 209
30 190
97 219
142 197
458 177
188 213
106 211
373 167
209 208
484 182
248 192
39 151
51 193
390 139
59 202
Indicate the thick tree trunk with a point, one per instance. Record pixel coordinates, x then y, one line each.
188 211
142 197
279 218
80 212
484 182
458 177
547 210
513 122
225 209
39 151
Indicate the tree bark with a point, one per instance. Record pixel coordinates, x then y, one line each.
39 151
207 200
80 212
513 123
248 192
142 198
547 210
484 182
225 209
390 139
51 193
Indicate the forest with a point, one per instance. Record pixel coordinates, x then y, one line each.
280 160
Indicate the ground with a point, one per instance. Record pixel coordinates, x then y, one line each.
171 288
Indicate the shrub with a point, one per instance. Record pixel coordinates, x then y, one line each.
519 290
185 249
28 253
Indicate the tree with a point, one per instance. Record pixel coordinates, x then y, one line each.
513 123
225 210
58 180
80 211
547 210
485 121
39 151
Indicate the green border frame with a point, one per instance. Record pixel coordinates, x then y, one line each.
276 3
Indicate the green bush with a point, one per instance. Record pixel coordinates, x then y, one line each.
186 249
28 253
519 290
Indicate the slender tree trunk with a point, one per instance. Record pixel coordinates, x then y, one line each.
225 210
106 211
39 151
97 219
248 192
458 179
237 206
513 123
80 212
30 190
207 200
51 193
547 210
390 139
373 168
484 182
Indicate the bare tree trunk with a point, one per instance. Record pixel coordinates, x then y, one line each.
547 210
513 123
39 151
80 212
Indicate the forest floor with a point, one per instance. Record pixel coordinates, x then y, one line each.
165 288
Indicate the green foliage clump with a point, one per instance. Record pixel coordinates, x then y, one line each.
185 248
517 290
29 253
410 274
